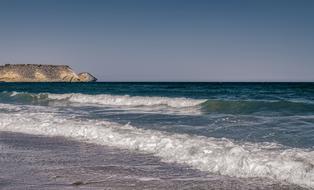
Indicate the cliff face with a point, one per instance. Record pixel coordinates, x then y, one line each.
42 73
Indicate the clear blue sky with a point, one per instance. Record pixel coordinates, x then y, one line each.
163 40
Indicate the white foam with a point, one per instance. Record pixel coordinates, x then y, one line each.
142 104
14 93
220 156
126 100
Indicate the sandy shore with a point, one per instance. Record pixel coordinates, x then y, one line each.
37 162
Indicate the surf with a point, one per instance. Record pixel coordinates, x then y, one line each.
104 99
157 103
213 155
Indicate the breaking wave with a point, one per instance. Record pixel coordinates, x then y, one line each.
283 107
104 99
220 156
127 100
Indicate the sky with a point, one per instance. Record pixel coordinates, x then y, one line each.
163 40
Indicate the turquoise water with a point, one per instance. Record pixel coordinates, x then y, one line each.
236 129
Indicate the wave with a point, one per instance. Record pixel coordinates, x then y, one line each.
213 155
127 100
176 104
104 99
248 107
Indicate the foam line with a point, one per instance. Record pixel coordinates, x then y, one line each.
220 156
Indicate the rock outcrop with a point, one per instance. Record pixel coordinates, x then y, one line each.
86 77
41 73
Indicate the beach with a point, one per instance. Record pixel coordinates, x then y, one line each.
156 135
39 162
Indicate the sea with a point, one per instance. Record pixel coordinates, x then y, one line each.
156 135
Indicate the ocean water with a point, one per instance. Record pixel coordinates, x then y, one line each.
238 130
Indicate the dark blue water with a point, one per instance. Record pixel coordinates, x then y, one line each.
235 91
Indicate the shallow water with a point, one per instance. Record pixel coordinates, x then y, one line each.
38 162
241 130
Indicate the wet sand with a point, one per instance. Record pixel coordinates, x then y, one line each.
38 162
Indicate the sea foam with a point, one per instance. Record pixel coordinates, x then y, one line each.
126 100
220 156
141 104
106 99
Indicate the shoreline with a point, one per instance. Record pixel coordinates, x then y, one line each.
39 162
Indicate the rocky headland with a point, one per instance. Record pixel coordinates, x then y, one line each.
42 73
